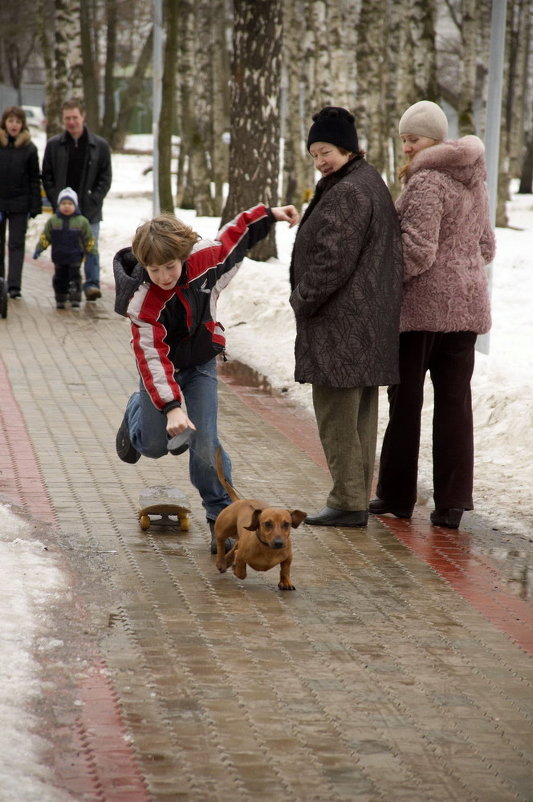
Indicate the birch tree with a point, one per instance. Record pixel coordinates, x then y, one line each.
167 115
255 124
220 77
200 116
88 51
131 93
298 173
58 79
110 65
371 63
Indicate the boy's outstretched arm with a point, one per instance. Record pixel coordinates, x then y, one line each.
286 213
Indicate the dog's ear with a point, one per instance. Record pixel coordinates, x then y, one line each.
254 524
297 516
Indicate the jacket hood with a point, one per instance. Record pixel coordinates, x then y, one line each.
129 275
463 159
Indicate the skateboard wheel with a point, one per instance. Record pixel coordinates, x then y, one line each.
144 522
184 522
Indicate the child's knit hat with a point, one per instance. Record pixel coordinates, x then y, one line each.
68 194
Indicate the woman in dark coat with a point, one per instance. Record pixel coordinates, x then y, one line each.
346 276
20 191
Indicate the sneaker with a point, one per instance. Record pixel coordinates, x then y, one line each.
125 450
75 304
13 292
60 305
92 293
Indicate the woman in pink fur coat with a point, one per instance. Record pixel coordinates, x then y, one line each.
447 241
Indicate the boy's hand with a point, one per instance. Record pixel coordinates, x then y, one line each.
287 213
177 422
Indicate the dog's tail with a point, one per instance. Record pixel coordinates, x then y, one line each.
230 490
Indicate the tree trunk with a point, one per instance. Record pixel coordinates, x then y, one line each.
371 60
131 93
254 149
469 30
90 80
110 63
198 114
59 85
186 81
526 176
200 118
220 77
75 72
167 115
298 171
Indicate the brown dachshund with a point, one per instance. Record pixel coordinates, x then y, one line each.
262 534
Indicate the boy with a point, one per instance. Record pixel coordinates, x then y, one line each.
71 237
168 284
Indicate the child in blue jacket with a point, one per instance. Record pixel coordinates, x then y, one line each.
71 237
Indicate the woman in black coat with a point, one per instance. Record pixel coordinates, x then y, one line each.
20 191
346 278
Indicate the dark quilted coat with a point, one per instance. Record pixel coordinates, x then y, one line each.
346 280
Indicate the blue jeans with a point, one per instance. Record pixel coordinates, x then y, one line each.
147 431
92 262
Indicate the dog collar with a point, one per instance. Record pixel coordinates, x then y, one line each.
262 541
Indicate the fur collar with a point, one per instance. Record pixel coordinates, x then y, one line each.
21 140
462 158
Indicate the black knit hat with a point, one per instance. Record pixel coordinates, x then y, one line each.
335 125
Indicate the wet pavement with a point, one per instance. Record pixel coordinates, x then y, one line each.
400 669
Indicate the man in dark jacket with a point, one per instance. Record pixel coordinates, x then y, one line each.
81 160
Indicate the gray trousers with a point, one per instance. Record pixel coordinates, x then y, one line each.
347 424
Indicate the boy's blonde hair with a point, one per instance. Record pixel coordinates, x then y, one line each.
162 240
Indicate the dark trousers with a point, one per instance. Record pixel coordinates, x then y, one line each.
67 282
347 421
15 247
449 357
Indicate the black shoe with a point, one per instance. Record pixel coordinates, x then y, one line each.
13 292
60 304
228 545
75 304
92 293
379 507
328 516
125 450
449 519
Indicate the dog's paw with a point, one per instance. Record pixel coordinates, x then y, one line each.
221 565
286 586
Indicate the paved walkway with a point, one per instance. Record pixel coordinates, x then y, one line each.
400 670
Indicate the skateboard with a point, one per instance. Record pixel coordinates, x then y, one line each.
163 506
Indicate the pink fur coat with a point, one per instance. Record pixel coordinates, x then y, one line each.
447 239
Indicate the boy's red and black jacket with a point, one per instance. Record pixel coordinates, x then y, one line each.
177 328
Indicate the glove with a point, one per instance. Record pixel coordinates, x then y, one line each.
36 253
